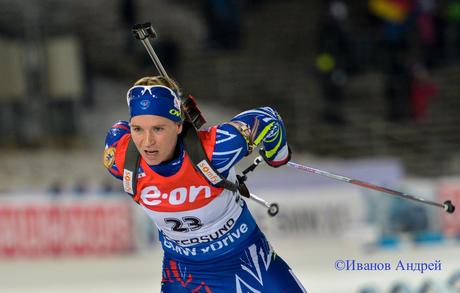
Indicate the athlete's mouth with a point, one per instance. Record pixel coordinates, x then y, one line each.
150 153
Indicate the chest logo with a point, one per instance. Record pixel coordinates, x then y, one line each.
153 196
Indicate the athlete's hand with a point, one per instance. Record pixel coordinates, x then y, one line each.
276 162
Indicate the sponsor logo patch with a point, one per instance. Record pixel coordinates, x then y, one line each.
174 112
128 181
109 157
207 171
152 196
145 104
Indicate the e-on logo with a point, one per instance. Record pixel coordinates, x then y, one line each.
152 196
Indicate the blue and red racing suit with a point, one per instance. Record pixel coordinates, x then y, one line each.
210 240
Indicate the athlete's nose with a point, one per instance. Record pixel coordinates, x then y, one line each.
149 138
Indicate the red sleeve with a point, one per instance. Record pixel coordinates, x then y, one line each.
114 156
208 139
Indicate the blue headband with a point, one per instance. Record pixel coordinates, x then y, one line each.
154 100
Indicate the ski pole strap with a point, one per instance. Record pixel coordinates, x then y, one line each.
242 188
201 162
131 169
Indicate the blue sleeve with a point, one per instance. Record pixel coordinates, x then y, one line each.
116 132
244 132
229 149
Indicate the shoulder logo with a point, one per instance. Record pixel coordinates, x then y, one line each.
109 157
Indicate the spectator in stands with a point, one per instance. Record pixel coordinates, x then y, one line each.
421 90
430 26
56 188
333 60
395 23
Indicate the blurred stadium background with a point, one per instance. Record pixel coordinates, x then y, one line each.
367 89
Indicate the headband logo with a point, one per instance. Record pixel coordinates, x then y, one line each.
174 112
144 104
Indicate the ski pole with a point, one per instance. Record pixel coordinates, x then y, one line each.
273 208
447 205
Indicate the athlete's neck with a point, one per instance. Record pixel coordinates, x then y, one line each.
170 167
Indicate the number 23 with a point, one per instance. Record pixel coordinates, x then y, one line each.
185 225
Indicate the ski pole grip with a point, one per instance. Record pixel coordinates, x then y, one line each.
251 168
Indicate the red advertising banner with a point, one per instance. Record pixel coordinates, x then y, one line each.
450 222
65 228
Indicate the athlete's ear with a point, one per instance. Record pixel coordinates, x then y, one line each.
179 128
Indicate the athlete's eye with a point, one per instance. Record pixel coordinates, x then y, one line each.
158 129
136 129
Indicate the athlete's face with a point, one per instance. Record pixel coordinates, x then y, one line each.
155 137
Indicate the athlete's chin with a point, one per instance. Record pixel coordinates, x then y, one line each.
152 161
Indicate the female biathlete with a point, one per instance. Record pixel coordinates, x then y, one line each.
210 240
